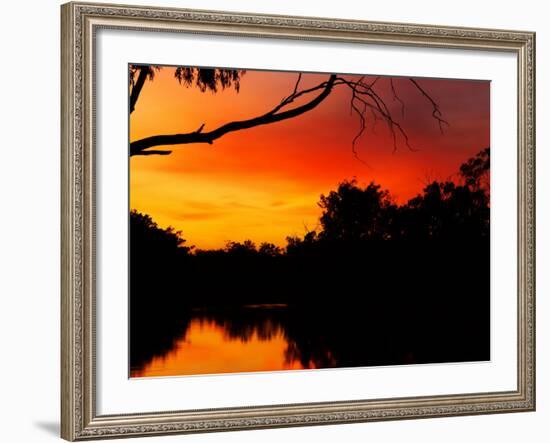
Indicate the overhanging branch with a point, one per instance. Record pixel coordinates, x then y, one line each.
139 147
364 98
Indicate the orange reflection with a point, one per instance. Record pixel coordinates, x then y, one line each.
206 349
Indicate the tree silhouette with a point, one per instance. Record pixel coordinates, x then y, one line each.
365 101
244 249
269 249
203 78
158 263
475 172
354 214
146 233
379 283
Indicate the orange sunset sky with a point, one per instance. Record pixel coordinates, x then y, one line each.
264 183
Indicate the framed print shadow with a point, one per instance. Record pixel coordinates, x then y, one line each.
282 221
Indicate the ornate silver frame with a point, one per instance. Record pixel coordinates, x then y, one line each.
79 420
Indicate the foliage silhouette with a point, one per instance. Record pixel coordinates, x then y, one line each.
156 257
378 284
203 78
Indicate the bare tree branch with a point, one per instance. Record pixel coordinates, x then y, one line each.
364 99
292 97
137 86
397 98
156 152
365 94
140 146
436 113
297 83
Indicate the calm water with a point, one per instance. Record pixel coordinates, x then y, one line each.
211 345
280 337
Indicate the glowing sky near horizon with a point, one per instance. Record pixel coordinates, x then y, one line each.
264 183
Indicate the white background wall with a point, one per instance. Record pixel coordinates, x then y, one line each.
29 225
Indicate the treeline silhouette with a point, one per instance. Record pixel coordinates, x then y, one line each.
377 284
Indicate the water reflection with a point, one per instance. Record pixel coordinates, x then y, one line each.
273 337
208 347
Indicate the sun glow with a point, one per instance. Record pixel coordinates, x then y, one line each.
264 183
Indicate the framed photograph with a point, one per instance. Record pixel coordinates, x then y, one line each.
282 221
